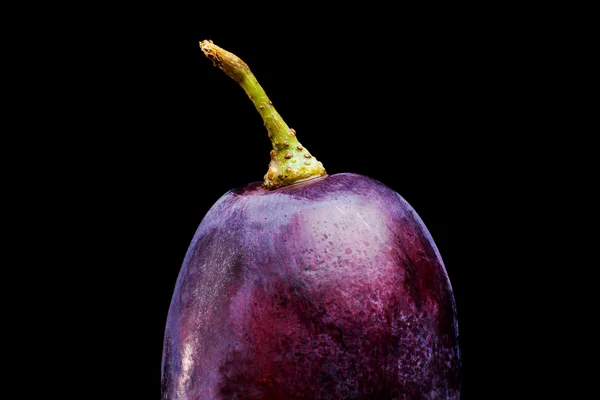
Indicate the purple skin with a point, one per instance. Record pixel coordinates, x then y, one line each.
328 289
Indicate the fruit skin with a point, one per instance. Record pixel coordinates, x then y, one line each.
329 289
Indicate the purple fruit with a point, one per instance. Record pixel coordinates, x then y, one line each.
331 288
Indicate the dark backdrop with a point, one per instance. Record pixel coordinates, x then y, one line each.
418 103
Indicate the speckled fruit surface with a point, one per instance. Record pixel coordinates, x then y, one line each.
328 289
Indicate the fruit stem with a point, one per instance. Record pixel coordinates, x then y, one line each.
290 161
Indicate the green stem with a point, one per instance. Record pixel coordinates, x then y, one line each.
290 161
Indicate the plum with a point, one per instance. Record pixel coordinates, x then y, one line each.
318 287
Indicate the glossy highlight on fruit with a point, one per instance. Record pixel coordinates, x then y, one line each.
327 288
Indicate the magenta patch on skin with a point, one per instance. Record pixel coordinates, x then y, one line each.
331 289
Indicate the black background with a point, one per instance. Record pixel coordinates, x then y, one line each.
427 103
